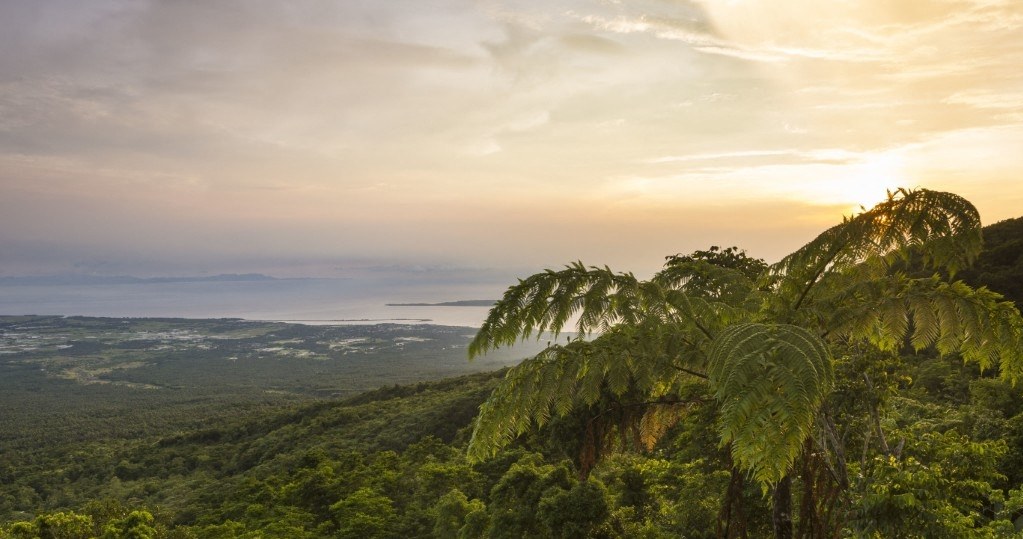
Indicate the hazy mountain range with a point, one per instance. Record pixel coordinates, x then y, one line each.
75 279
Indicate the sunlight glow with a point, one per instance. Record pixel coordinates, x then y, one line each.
867 183
854 186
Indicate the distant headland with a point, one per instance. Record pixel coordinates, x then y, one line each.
462 303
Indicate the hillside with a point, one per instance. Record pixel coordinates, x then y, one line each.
1000 265
184 477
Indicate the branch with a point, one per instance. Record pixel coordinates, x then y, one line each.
842 473
662 401
702 329
876 416
687 371
817 274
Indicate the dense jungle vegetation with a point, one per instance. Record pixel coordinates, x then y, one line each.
900 430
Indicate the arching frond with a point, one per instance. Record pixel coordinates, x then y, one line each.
706 316
656 421
629 360
953 317
699 278
943 228
545 302
770 380
601 300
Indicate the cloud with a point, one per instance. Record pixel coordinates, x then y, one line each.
988 100
743 158
316 126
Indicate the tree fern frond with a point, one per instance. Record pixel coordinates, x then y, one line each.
656 420
602 300
770 381
943 227
545 302
953 317
700 278
630 360
511 409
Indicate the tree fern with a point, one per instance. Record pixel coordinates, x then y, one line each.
759 333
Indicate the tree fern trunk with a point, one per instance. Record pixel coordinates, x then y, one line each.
732 518
782 501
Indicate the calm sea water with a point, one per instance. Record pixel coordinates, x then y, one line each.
305 300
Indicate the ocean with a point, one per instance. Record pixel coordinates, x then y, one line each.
311 301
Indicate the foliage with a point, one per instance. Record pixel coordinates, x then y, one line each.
939 487
761 336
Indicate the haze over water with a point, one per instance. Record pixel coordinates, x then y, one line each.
302 300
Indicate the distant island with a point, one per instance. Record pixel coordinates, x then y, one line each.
462 303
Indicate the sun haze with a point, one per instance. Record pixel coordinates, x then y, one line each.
299 137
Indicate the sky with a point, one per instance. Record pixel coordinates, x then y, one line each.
308 138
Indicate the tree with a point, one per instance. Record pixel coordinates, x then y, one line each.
365 514
762 339
451 512
577 513
137 525
59 525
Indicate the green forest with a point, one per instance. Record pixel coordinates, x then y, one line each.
866 385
